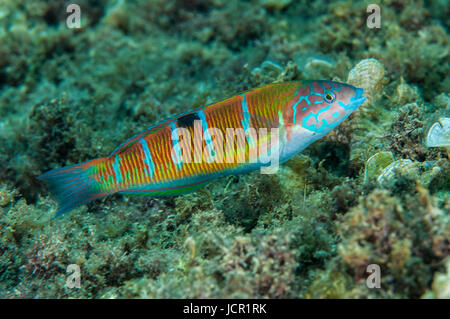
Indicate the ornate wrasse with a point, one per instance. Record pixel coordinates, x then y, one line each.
232 136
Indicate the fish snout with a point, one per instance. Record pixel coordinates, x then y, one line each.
358 99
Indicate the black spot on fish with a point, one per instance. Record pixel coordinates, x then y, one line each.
187 120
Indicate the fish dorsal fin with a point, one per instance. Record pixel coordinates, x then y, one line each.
125 145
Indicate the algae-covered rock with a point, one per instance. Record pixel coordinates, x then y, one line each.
405 93
394 234
275 4
442 101
441 285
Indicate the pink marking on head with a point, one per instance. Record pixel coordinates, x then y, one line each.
317 87
328 85
326 106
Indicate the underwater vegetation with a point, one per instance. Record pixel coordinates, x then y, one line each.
373 191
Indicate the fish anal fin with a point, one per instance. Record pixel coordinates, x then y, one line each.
165 191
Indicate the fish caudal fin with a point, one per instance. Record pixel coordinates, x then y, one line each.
73 186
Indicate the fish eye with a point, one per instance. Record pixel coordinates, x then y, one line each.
329 97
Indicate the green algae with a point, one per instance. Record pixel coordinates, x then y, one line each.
72 95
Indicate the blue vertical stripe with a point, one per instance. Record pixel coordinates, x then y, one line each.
206 133
148 158
246 121
116 167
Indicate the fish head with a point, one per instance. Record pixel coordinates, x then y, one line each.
326 104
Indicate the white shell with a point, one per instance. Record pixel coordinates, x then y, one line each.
423 173
439 133
368 74
376 163
403 167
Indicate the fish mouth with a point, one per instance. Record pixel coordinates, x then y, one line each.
358 99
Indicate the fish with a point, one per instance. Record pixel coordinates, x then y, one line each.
257 129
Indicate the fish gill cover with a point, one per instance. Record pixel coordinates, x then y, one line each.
372 193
